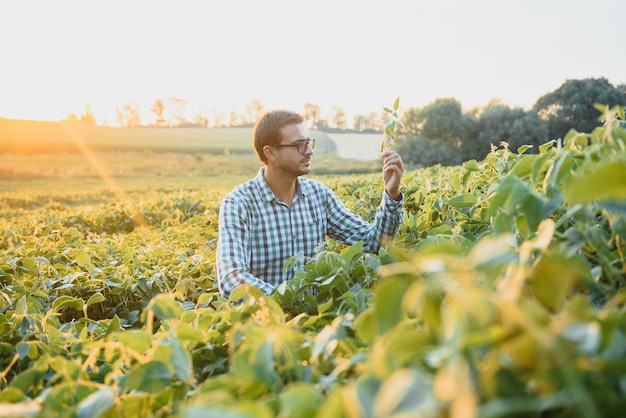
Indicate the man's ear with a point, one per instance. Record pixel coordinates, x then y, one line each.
270 153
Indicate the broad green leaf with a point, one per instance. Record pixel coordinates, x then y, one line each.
405 393
604 183
72 234
12 395
67 302
96 404
151 377
29 379
242 291
95 298
545 147
552 280
28 266
299 399
240 409
42 260
471 165
389 303
115 325
22 349
366 389
539 166
365 325
263 363
137 340
165 306
180 359
465 200
82 258
325 306
523 166
352 251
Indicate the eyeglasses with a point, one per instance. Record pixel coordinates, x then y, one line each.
301 145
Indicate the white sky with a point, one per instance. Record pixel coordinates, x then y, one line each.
58 56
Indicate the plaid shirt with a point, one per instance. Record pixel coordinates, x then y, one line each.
258 232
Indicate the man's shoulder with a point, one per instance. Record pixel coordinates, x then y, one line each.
243 192
312 186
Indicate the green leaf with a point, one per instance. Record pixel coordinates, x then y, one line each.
137 340
12 396
240 292
352 251
543 148
523 166
82 258
180 359
465 200
95 298
28 266
22 349
96 403
151 377
165 306
115 325
471 165
552 280
606 182
396 104
67 302
299 399
389 303
325 306
405 393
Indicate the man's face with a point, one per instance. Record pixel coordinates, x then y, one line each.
291 158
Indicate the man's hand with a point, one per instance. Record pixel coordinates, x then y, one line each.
393 167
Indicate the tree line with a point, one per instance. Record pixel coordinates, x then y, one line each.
438 133
172 113
442 133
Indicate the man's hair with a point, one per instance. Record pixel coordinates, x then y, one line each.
267 129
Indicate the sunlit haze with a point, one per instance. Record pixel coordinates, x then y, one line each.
57 57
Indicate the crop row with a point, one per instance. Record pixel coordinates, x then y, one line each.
503 295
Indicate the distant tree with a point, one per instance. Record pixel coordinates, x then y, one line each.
313 114
254 110
372 122
498 122
158 108
218 118
359 123
71 118
419 152
441 121
338 118
128 116
88 117
177 107
234 119
621 88
412 121
201 120
571 106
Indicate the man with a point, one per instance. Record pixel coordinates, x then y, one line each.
278 214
